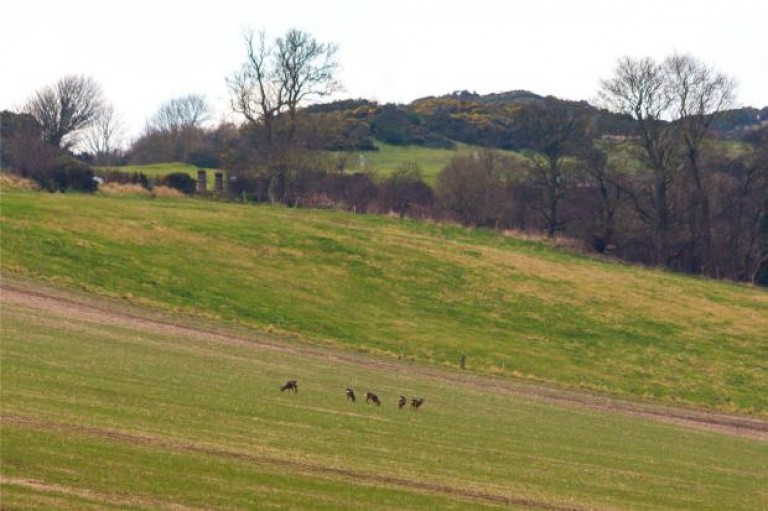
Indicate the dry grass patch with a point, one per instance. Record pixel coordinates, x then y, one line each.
123 189
166 192
12 182
119 189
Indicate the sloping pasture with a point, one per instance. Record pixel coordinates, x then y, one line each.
409 290
112 407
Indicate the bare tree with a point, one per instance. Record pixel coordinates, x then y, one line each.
278 78
306 68
181 113
604 180
471 188
66 108
760 275
639 88
674 104
105 137
22 147
553 131
404 191
254 91
698 95
176 126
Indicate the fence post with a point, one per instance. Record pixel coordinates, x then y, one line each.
219 182
202 181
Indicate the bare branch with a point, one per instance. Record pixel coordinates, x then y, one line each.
105 137
278 78
66 108
181 113
698 94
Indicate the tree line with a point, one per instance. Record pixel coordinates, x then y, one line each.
666 192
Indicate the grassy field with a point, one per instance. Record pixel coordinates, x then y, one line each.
402 289
430 161
104 409
389 158
156 170
382 162
622 155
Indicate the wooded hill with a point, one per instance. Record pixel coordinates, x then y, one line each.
490 120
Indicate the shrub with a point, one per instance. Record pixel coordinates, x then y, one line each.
248 187
357 191
181 182
204 159
67 174
405 192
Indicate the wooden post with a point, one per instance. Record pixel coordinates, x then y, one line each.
463 361
202 181
219 182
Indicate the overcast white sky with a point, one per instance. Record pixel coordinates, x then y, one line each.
145 52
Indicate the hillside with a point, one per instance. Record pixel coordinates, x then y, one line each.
490 120
430 161
113 406
486 120
406 290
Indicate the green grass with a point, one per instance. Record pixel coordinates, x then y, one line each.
382 162
390 158
157 170
419 291
99 415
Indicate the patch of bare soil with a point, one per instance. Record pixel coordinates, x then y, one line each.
85 308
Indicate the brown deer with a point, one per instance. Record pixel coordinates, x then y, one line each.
402 402
416 403
370 396
350 394
290 386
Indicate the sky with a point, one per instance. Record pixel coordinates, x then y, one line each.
145 52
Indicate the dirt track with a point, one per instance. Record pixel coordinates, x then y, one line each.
86 308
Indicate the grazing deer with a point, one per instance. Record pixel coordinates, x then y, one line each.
402 402
370 396
350 395
290 386
416 403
